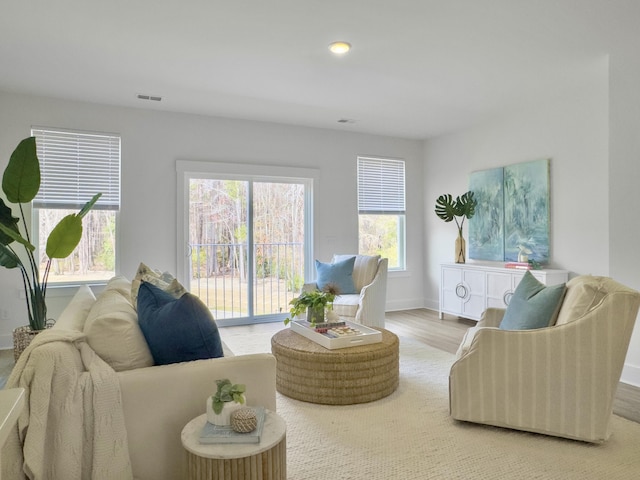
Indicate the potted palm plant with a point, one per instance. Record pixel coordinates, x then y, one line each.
20 184
462 207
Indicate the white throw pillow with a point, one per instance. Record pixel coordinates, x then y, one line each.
113 332
75 314
584 293
121 284
164 281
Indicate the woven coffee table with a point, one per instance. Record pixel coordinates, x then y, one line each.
309 372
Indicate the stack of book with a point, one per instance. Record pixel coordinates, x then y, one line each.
519 265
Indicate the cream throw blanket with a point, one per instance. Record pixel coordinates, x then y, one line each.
72 426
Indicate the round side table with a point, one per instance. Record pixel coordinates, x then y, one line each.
237 461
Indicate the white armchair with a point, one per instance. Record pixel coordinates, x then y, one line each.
366 307
560 380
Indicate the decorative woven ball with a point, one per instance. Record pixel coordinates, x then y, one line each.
244 420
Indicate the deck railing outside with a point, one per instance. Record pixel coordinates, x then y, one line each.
220 277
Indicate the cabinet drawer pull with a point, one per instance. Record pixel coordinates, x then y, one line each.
461 290
507 298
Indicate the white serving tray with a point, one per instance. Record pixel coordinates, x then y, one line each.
367 335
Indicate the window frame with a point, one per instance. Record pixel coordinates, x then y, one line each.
188 169
62 288
375 205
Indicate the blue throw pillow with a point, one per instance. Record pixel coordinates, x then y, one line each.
177 329
338 273
533 305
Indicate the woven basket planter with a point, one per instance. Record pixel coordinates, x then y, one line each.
22 337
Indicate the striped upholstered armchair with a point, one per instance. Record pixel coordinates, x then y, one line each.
559 380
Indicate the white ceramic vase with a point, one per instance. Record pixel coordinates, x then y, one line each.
224 417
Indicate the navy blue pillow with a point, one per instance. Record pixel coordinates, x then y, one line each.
177 329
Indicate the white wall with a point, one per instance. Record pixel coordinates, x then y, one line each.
591 176
571 130
624 178
152 141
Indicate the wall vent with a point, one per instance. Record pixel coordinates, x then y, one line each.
154 98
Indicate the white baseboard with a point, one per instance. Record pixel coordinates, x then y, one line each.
6 342
404 304
630 375
432 305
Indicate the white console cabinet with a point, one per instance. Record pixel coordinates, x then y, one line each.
468 289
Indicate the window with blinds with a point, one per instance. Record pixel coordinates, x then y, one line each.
74 166
381 209
380 186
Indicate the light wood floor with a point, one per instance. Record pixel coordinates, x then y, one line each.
446 334
425 326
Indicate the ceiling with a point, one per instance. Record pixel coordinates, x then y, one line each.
418 68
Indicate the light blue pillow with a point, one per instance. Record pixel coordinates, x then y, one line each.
338 273
177 329
533 305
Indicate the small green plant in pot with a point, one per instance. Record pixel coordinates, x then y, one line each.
228 397
314 302
20 184
449 209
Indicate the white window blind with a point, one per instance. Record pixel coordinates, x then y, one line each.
74 166
381 185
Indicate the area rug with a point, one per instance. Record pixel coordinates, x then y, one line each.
411 435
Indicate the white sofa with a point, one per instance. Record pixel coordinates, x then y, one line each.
154 402
366 307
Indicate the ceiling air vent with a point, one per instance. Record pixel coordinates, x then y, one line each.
154 98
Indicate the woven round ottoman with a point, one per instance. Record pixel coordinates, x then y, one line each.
309 372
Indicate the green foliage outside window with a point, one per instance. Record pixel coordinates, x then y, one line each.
381 235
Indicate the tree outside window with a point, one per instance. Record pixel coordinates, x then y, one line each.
381 209
73 166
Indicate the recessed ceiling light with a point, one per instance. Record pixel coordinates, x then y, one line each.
339 48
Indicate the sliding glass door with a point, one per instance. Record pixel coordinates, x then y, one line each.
278 245
247 244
